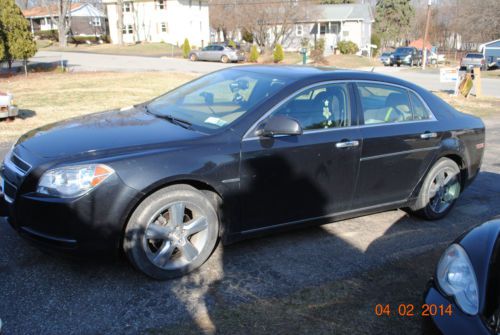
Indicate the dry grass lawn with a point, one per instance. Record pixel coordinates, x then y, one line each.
140 49
351 61
482 107
49 97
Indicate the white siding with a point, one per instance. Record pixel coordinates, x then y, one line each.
352 31
181 21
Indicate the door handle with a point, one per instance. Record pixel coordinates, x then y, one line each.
347 144
428 135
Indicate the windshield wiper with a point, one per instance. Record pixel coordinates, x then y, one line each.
171 119
177 121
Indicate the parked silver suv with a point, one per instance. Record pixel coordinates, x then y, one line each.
216 52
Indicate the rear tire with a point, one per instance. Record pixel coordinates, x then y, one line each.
439 192
224 59
172 232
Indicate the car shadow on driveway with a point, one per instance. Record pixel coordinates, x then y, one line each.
43 294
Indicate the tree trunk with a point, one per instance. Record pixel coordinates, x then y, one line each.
25 63
119 22
63 40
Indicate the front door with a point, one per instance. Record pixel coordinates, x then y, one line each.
400 140
286 179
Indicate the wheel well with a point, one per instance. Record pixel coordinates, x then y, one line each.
461 165
213 196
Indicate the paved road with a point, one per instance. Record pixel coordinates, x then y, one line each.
41 294
98 62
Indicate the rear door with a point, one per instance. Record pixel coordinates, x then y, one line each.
286 179
400 140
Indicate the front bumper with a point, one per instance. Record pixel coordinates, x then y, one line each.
456 324
89 225
8 111
401 61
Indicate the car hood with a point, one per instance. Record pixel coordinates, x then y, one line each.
112 131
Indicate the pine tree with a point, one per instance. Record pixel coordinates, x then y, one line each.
278 54
186 48
393 18
15 34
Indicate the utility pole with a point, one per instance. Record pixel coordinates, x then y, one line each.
424 49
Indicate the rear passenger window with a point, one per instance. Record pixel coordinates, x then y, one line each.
420 112
384 103
321 107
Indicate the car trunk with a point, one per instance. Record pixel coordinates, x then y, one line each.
492 307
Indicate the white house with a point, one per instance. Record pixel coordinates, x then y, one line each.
333 23
85 19
168 21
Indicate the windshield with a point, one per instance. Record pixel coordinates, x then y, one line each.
403 51
474 56
218 99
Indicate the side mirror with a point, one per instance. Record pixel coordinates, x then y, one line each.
279 125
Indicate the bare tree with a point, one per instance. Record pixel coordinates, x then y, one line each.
119 21
269 22
60 14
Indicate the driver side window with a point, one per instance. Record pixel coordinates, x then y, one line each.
321 107
384 103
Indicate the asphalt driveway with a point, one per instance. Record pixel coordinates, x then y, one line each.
42 294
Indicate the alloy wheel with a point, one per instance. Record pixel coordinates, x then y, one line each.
175 235
444 190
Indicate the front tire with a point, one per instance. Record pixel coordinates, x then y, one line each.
193 58
172 232
439 192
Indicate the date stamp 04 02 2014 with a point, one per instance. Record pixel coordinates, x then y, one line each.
410 310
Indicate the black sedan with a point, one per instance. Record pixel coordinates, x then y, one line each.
468 279
235 154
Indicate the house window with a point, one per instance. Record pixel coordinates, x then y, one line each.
128 29
299 30
127 7
163 27
160 4
96 22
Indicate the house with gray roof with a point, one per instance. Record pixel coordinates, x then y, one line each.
333 23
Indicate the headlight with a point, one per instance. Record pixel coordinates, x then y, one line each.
73 181
408 57
457 278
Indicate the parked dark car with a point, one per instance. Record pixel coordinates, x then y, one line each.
235 154
406 56
218 53
468 279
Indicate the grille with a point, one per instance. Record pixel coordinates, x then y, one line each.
20 164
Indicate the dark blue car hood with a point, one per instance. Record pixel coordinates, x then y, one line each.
102 132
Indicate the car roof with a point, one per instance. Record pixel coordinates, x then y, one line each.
322 73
